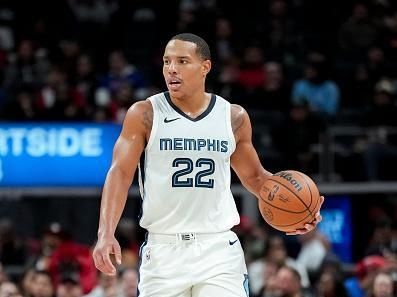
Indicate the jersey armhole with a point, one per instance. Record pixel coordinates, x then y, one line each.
229 125
154 124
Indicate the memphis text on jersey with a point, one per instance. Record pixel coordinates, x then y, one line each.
191 144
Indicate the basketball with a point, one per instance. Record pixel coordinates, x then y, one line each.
288 200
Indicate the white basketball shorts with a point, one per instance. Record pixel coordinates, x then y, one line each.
192 265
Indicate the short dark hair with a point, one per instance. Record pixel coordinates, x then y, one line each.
202 48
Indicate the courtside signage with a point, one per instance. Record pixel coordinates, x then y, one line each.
60 154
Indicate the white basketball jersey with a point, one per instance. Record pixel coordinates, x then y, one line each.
185 176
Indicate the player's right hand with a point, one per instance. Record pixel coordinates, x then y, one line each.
106 246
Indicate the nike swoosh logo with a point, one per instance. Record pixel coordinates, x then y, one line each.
232 242
170 120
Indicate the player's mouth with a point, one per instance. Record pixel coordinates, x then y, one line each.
174 84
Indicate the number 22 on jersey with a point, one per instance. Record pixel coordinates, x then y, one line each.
200 180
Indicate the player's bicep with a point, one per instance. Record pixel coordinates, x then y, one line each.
245 161
126 154
130 144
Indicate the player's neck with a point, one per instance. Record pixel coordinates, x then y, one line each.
194 105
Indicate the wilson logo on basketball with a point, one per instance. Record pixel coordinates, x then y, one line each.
292 181
273 192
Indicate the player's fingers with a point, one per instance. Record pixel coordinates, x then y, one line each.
291 233
96 255
117 253
97 260
108 267
309 227
100 265
321 200
298 232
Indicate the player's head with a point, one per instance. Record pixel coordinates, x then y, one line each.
186 63
202 48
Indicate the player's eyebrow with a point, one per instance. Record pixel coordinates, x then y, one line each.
178 57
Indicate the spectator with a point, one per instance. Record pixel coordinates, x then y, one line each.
27 280
69 285
251 74
28 68
92 18
12 249
279 31
3 274
120 72
267 285
126 234
295 136
381 116
330 285
381 240
59 100
71 257
313 251
383 286
275 93
366 270
50 240
108 287
9 289
70 51
23 108
275 253
224 49
42 284
129 283
289 283
359 32
321 94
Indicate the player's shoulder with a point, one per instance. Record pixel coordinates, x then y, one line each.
238 118
237 109
140 116
237 112
139 108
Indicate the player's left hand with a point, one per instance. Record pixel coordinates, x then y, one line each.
309 226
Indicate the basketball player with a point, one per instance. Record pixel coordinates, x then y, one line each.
190 139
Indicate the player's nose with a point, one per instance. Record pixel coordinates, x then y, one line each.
172 69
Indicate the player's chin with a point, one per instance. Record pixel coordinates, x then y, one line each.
176 93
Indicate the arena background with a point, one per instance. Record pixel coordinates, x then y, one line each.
318 78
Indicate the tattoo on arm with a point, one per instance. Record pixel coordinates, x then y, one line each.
237 120
148 119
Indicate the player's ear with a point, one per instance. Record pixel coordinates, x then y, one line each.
206 67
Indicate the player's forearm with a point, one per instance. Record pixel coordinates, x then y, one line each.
254 182
114 197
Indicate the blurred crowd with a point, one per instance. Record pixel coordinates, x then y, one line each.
56 265
299 68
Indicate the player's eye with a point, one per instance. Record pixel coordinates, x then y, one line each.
183 61
166 62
